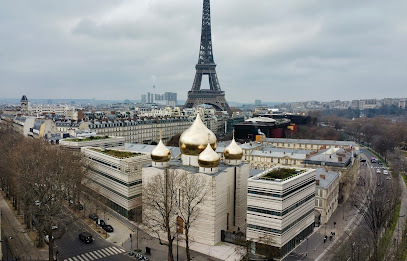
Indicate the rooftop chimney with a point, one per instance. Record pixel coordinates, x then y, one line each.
322 176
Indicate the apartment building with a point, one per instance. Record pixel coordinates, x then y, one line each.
326 195
142 130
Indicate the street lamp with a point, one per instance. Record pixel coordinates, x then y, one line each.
177 238
306 251
398 230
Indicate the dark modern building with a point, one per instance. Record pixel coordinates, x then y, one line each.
270 128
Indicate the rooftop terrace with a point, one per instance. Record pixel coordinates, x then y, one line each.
281 174
118 153
91 138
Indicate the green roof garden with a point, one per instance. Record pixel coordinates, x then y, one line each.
281 174
118 153
90 138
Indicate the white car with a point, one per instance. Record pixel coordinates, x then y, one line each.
385 172
378 171
388 178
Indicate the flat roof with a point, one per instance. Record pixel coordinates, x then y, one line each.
308 141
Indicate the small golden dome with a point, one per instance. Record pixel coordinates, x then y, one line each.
193 140
160 153
208 158
233 151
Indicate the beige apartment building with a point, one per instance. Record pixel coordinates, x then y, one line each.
142 131
326 195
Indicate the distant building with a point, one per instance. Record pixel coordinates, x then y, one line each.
24 103
258 126
257 102
103 142
281 207
168 98
142 130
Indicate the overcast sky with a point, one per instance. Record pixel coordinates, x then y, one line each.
280 51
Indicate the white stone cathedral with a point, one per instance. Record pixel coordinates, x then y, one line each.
224 207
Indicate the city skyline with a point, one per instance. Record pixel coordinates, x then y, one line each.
318 51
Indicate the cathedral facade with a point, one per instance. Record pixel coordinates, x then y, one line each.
225 202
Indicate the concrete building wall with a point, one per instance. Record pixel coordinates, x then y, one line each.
281 209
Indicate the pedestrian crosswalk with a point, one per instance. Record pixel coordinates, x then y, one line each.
97 254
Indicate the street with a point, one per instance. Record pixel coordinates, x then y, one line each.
70 248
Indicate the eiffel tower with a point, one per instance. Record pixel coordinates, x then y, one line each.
206 66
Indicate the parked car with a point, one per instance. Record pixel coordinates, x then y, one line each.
93 216
362 160
378 171
102 222
385 172
379 162
37 203
86 237
388 178
54 227
107 228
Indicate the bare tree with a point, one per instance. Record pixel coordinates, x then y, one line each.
192 191
159 207
41 175
376 207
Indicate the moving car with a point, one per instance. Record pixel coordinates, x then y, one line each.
86 237
378 171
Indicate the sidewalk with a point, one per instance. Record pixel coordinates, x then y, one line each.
343 216
18 242
124 227
314 248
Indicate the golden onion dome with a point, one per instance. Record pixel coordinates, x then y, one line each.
193 140
160 153
233 151
208 158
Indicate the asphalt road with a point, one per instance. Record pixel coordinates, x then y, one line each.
71 248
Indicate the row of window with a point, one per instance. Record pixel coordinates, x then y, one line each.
114 191
127 184
284 212
277 231
104 163
107 125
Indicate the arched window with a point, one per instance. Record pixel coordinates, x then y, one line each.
180 225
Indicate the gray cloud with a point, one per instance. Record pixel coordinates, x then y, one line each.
267 49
